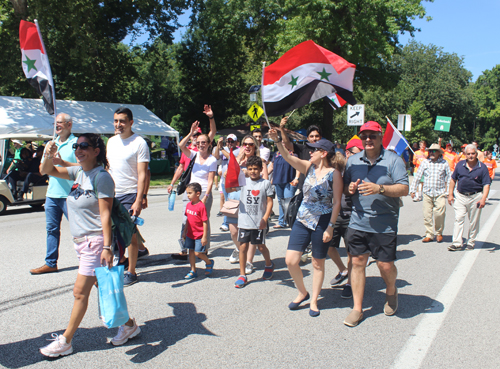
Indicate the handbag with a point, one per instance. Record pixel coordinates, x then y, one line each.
230 208
186 177
112 303
291 207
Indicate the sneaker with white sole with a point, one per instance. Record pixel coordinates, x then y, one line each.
57 348
235 257
142 253
249 268
339 278
224 228
125 333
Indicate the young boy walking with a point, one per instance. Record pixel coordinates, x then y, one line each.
195 233
256 204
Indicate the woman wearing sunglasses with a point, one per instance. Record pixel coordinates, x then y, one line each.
89 213
316 217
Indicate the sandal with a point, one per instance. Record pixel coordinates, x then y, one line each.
209 268
191 275
277 226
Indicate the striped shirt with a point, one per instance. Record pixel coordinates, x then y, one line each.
436 174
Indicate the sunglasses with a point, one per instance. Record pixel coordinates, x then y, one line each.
372 137
317 149
249 144
434 151
201 142
83 146
230 140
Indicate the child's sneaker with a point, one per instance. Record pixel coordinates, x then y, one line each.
241 281
249 268
268 271
57 348
125 333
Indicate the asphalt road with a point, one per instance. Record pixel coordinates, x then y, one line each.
448 317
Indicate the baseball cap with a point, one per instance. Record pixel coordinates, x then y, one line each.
17 142
355 142
232 137
463 146
198 131
371 126
449 144
322 144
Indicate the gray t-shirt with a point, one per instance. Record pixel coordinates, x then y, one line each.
253 203
375 213
83 205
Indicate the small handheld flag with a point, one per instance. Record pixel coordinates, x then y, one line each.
235 177
36 65
393 139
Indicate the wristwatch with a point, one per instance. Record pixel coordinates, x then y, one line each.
331 225
381 189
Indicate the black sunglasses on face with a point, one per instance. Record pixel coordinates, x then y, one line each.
372 137
83 146
318 149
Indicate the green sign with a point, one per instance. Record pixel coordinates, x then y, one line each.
442 124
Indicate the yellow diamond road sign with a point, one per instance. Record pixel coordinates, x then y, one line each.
255 112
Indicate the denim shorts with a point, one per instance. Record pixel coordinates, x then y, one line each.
301 236
195 245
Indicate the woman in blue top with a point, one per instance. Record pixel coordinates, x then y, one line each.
316 216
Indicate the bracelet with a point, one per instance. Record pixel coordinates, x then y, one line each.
106 247
212 117
144 196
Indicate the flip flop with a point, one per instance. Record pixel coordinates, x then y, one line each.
209 268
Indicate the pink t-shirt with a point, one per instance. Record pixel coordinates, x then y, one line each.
196 215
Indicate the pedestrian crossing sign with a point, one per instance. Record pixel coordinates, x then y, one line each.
255 112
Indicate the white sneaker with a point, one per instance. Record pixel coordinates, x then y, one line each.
57 348
125 333
224 228
249 268
235 257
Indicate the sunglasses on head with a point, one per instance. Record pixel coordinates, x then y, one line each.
373 136
83 146
249 144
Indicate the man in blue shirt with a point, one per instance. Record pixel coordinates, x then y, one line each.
472 191
57 192
375 179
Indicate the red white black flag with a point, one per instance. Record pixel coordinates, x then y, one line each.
304 74
35 63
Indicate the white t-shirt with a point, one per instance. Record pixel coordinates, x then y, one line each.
123 156
200 172
264 152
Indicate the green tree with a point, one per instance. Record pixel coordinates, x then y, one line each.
487 95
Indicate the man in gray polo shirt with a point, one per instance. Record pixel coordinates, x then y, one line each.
376 179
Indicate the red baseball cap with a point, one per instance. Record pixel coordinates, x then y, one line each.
371 126
449 144
355 142
464 145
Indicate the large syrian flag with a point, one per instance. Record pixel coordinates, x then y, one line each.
304 74
35 63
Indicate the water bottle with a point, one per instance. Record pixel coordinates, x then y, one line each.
171 200
136 220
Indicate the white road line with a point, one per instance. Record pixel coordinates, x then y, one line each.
419 343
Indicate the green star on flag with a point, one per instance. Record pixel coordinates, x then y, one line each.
30 63
324 75
293 82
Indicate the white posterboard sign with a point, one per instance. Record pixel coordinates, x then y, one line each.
355 115
401 122
408 123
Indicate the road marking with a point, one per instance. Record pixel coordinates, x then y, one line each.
415 350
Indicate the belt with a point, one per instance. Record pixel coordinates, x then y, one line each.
86 238
469 193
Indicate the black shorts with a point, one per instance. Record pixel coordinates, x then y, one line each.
382 246
253 236
127 200
339 231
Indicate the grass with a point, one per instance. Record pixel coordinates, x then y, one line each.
161 179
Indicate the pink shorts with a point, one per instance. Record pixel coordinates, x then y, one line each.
89 253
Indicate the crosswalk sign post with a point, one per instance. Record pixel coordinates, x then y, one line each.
255 112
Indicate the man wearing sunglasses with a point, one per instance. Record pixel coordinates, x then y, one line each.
265 153
57 192
375 179
436 172
473 185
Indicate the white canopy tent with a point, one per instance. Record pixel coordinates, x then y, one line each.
19 115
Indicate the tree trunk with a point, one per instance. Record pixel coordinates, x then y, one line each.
20 8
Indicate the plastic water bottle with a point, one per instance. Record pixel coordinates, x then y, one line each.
138 221
171 200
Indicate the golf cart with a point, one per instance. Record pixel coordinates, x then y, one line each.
36 193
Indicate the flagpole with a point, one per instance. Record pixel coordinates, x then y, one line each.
293 111
396 130
262 94
50 80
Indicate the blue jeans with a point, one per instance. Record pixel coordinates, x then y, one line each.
224 221
54 210
283 191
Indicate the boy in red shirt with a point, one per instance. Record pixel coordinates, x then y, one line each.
196 230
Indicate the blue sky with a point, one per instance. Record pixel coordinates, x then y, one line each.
470 29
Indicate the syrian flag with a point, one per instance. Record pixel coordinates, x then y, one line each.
304 74
335 101
235 177
35 63
393 139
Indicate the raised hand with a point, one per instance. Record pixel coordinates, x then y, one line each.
283 122
207 109
194 127
273 134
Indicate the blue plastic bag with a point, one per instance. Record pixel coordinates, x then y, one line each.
113 306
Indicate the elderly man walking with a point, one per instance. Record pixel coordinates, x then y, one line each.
436 173
473 187
375 178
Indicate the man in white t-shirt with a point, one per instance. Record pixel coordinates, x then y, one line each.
128 157
264 151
